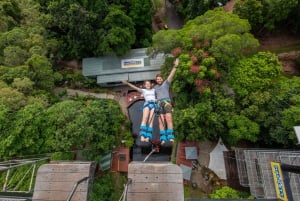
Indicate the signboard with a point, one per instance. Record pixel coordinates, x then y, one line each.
297 131
278 181
131 63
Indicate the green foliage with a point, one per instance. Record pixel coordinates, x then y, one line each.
222 35
277 113
12 98
265 14
251 10
24 85
276 11
140 12
118 32
255 73
4 118
62 156
24 135
8 74
240 127
166 40
191 9
205 119
93 125
108 187
227 192
75 26
10 14
19 179
40 71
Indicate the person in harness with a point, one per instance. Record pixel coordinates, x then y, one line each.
148 92
164 105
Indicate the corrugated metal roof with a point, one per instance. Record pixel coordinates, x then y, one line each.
224 199
136 65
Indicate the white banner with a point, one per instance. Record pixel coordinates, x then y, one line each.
132 63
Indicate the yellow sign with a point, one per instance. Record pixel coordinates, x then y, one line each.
278 181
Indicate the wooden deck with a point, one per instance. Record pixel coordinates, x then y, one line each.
155 181
55 181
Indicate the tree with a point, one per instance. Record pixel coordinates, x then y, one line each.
117 33
251 10
24 85
207 46
74 26
12 98
291 21
4 119
91 124
24 136
10 15
223 35
283 108
40 72
264 14
12 52
8 74
205 118
240 127
255 73
140 12
190 9
276 11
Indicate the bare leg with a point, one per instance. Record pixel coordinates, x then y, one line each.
143 126
170 131
162 126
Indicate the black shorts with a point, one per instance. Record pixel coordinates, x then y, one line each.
164 107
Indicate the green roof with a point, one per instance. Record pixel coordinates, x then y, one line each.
136 65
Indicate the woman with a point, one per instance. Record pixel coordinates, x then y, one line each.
146 127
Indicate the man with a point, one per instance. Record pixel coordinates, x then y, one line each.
164 104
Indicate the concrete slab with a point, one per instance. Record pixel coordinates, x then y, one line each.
155 181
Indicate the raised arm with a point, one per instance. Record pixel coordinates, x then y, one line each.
132 86
173 71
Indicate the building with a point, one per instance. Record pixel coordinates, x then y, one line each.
262 171
135 66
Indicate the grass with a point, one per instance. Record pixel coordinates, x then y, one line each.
190 192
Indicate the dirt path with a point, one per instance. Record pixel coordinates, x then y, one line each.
117 97
229 6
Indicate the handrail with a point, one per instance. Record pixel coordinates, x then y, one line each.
10 165
124 194
75 187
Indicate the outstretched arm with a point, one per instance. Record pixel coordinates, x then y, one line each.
172 73
132 86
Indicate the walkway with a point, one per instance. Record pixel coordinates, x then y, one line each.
117 97
174 21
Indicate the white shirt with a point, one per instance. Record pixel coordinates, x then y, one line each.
149 94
